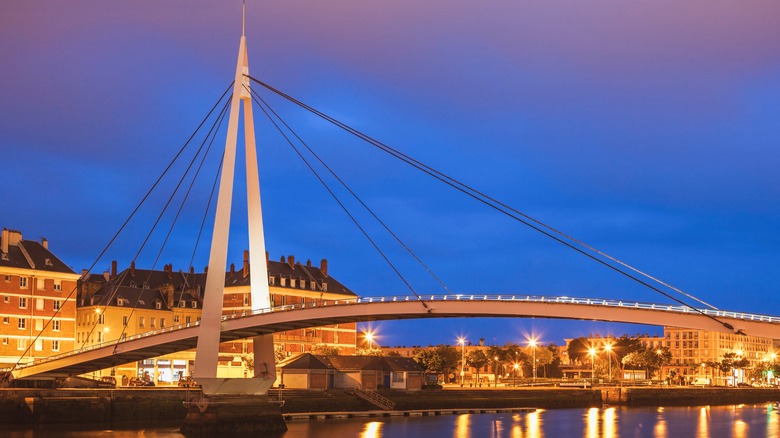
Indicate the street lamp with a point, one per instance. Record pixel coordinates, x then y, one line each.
462 342
514 376
532 344
592 353
608 348
370 338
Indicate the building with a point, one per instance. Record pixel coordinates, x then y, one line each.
117 305
308 371
694 351
37 301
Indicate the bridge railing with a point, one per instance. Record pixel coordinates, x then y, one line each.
427 298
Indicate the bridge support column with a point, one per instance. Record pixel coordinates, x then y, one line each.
224 415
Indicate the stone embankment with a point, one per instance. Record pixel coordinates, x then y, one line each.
152 406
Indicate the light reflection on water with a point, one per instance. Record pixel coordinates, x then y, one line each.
708 421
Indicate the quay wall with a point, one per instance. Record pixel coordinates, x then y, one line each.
151 406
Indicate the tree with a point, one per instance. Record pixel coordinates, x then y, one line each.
553 369
324 350
476 359
437 360
624 346
496 355
578 349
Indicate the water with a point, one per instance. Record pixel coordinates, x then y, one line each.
760 420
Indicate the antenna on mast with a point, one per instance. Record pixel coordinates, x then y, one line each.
243 16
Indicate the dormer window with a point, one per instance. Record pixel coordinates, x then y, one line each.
48 262
283 282
120 302
271 281
158 305
292 282
133 284
313 285
146 285
181 303
194 304
324 286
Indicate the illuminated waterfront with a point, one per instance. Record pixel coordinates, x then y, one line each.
700 421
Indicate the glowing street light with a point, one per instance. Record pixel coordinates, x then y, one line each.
608 348
592 353
532 344
462 342
370 338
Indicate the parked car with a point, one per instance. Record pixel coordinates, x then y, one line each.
701 381
743 385
109 381
140 381
187 382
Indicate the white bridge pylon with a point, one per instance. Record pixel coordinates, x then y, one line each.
207 350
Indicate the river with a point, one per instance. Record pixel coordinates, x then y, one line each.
759 420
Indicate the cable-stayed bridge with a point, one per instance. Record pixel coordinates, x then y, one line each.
290 317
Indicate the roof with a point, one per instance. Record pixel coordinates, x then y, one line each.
29 254
308 361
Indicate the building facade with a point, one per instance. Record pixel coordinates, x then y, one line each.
37 301
118 305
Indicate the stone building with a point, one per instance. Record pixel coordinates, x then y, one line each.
37 300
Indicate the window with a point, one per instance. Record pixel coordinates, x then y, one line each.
40 283
21 344
55 345
246 299
22 302
100 337
313 285
153 322
292 282
162 322
57 285
324 286
22 323
57 304
55 325
175 319
283 281
271 281
181 303
7 278
120 302
39 304
187 320
7 299
194 304
6 320
38 324
158 305
124 321
39 345
141 321
101 319
23 282
5 341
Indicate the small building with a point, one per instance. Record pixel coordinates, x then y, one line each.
308 371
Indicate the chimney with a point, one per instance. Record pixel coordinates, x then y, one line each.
192 269
308 263
283 260
324 267
291 261
84 273
4 241
170 270
113 268
132 268
45 243
206 269
246 263
232 268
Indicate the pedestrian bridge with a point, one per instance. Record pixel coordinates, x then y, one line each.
290 317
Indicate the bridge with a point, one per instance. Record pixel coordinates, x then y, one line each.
290 317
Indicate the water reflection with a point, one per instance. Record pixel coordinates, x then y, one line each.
534 424
592 423
703 427
463 426
771 421
610 423
659 431
372 430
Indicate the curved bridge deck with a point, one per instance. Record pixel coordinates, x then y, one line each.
278 319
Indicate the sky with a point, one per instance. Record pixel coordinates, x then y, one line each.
647 129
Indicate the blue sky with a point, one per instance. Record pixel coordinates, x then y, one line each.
647 129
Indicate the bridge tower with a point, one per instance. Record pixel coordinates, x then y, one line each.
207 351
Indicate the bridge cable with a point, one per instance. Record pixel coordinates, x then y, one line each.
336 198
354 195
120 280
212 134
122 227
482 198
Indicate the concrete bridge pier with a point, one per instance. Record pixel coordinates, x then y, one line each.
220 415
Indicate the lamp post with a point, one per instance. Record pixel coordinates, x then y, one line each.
370 338
514 376
592 353
532 344
462 342
608 348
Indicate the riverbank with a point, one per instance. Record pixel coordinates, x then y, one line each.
166 405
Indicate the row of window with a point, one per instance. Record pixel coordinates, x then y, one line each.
21 344
40 283
301 283
21 323
40 303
